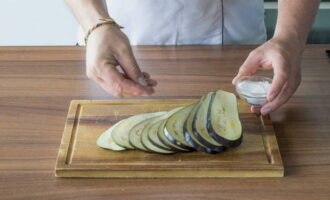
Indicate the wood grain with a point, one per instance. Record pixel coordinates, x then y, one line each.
38 83
79 156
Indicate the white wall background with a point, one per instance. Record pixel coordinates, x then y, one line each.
36 22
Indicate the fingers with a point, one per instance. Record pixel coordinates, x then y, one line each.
114 83
255 109
126 59
284 84
249 66
281 75
284 95
151 82
146 75
146 81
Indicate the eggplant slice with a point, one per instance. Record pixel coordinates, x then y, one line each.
106 141
199 126
166 141
151 129
154 139
120 133
223 121
190 137
136 131
173 129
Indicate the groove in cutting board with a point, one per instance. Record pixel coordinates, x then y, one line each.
73 135
265 138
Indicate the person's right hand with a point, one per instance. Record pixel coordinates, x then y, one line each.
108 47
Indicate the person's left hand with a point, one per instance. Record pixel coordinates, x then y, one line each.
283 56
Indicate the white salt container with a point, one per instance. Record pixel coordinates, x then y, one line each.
253 89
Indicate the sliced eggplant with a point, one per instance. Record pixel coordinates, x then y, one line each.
151 129
136 131
190 137
135 136
173 129
210 126
106 141
154 139
145 132
120 133
199 126
223 122
166 141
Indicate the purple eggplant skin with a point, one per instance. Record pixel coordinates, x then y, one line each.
170 133
162 140
200 138
198 147
177 143
189 138
215 136
194 144
206 143
225 142
185 150
168 147
150 151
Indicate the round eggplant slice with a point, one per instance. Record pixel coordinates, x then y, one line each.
223 119
120 133
190 137
135 136
136 132
154 139
200 125
147 131
174 127
106 141
166 141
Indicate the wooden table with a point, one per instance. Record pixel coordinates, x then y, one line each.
37 84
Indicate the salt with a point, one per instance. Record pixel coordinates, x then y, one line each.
256 101
255 92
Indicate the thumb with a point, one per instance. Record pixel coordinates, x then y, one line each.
128 63
249 67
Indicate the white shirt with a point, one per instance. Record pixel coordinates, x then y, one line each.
183 22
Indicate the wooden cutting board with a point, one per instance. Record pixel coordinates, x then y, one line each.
79 156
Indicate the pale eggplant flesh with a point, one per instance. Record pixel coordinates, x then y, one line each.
190 137
120 133
154 139
199 126
166 141
146 142
223 121
136 132
105 140
173 129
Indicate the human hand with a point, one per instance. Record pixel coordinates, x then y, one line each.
107 48
284 58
